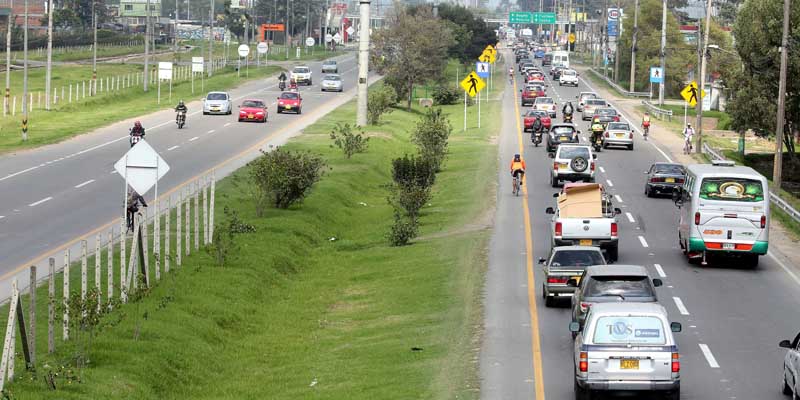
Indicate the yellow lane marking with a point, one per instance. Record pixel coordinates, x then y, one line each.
535 342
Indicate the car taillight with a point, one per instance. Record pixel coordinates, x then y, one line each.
559 229
763 221
697 218
592 166
654 179
678 180
555 166
606 134
614 229
630 135
583 364
616 118
585 307
676 364
557 280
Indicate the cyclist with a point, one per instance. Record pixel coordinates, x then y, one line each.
511 74
688 133
134 201
517 171
646 124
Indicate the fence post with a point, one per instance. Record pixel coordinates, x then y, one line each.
39 101
123 232
146 251
166 234
7 363
157 239
205 211
197 215
83 91
70 93
97 278
101 85
211 208
178 233
32 316
62 93
110 270
14 107
30 102
108 85
66 296
83 269
51 307
188 224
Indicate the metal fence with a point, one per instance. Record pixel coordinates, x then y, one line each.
774 197
660 113
618 87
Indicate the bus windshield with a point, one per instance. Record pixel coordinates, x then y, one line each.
732 189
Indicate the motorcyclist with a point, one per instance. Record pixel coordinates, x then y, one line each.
292 85
597 129
134 200
537 127
282 81
568 109
137 133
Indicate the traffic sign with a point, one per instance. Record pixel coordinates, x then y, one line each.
350 31
572 38
473 84
244 50
689 93
337 38
142 167
487 57
197 64
262 48
165 70
490 49
310 41
483 69
656 75
328 38
544 18
520 17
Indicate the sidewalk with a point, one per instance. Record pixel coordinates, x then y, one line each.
782 242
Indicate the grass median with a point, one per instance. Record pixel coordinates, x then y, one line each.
315 304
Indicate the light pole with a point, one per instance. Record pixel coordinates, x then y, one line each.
363 63
25 78
701 84
93 88
286 39
777 169
211 41
49 69
11 18
633 44
146 46
663 53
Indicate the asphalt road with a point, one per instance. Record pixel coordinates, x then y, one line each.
53 195
733 318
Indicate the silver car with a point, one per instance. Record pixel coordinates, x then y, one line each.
589 105
330 67
627 347
565 263
791 366
618 134
331 83
572 162
217 103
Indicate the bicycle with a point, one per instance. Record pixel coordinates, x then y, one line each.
517 182
687 146
645 130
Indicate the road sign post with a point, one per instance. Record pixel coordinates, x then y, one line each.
164 73
244 51
197 66
262 48
472 85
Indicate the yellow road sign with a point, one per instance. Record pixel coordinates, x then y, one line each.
490 49
473 84
487 57
690 94
572 38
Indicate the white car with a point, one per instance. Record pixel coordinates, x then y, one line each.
618 134
573 162
546 104
217 103
301 74
791 366
626 347
568 77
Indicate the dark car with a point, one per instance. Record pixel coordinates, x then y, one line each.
563 264
521 55
606 115
562 133
555 72
539 53
547 59
609 283
664 178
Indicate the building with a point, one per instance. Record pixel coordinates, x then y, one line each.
134 12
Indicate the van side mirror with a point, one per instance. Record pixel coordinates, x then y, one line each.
785 344
594 156
549 210
657 282
556 194
574 327
572 283
675 327
542 260
617 211
551 154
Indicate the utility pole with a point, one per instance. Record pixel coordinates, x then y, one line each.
25 78
633 45
11 18
604 38
569 26
701 83
363 63
663 53
49 69
211 40
146 46
176 30
288 42
777 169
93 88
616 44
325 27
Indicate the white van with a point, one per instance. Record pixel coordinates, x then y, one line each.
724 208
561 58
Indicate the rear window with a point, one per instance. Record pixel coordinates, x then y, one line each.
620 126
568 73
606 111
669 169
588 96
628 286
217 96
544 100
566 152
576 258
629 329
732 189
289 95
252 103
332 78
301 70
536 113
592 102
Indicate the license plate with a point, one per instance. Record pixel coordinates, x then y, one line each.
627 363
728 246
586 242
287 107
562 139
250 116
562 166
619 135
669 180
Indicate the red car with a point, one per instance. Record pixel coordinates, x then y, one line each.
531 115
290 101
253 110
529 94
535 77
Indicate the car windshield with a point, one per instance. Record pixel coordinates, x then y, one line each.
329 63
576 258
587 96
629 329
290 95
253 103
592 102
217 96
618 126
567 72
332 78
300 70
732 189
606 111
544 100
536 113
569 152
669 169
627 286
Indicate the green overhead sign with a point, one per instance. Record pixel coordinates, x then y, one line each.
524 17
544 18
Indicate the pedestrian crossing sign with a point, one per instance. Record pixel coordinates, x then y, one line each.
690 94
487 56
473 84
482 69
490 49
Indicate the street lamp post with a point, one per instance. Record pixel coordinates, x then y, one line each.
25 78
701 84
49 68
777 169
363 63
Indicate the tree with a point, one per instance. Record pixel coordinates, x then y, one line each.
411 50
471 33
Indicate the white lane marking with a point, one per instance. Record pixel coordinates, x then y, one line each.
681 307
712 362
610 184
660 270
80 185
2 216
630 217
784 267
619 199
603 170
113 172
643 242
193 139
18 173
173 148
36 203
211 131
226 124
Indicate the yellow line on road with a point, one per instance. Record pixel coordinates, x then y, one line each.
538 377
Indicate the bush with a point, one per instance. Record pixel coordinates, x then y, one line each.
410 199
284 177
380 102
431 135
446 95
343 138
412 171
222 243
403 230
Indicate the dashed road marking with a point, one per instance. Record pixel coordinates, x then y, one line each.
630 217
193 139
603 170
80 185
610 184
113 172
226 124
712 362
643 242
173 148
211 131
2 216
36 203
681 307
660 270
619 199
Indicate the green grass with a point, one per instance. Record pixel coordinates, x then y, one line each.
293 306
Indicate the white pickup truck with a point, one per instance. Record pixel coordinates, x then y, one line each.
585 217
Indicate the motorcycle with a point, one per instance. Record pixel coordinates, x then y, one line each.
135 138
597 141
536 138
180 120
568 118
282 85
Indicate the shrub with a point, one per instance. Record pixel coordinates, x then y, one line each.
282 177
412 171
431 135
222 243
446 95
403 230
343 138
380 102
410 199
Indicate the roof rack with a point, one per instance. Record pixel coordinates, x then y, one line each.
723 163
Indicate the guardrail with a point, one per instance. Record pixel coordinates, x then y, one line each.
660 113
777 200
618 87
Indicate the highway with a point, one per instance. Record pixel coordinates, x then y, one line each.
733 318
51 196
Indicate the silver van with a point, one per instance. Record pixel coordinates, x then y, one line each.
724 208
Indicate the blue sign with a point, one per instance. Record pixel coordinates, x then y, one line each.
656 75
482 69
613 28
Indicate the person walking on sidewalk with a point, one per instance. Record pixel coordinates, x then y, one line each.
688 134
